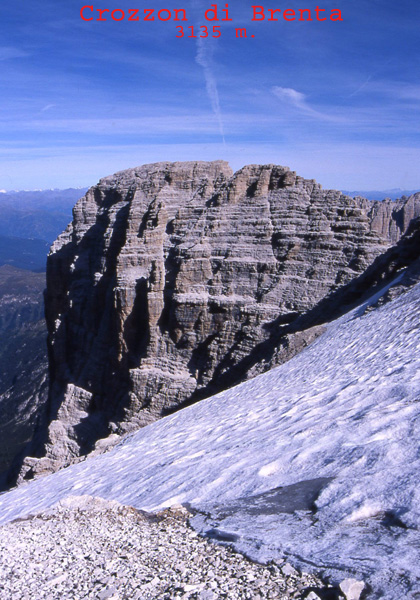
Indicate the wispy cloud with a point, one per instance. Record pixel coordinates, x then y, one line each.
335 165
371 77
203 123
204 58
296 99
47 107
8 52
292 96
388 90
361 87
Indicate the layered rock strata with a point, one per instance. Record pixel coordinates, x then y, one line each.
177 280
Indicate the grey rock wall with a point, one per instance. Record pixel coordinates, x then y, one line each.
177 280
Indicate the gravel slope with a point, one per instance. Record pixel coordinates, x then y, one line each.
90 548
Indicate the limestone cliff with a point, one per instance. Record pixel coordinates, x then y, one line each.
177 280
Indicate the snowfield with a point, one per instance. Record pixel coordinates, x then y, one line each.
337 428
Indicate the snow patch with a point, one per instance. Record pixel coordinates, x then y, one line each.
316 460
269 469
367 511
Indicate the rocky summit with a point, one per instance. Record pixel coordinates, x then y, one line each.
178 280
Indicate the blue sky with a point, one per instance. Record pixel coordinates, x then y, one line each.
335 101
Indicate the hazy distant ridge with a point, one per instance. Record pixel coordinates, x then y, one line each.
37 214
394 194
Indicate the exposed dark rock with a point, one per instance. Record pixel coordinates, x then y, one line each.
23 359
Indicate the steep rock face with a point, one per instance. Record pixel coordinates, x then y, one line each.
23 359
175 280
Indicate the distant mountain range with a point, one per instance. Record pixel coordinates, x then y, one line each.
29 223
381 194
42 199
38 215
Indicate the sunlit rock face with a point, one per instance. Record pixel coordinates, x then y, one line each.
178 280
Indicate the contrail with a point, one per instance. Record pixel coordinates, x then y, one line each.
204 58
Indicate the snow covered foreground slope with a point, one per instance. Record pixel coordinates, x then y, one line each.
337 427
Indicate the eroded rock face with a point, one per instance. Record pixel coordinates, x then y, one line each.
177 280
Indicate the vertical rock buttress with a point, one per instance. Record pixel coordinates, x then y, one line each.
177 280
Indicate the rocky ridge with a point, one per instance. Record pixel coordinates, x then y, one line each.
178 280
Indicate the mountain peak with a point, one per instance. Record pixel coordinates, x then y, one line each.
177 280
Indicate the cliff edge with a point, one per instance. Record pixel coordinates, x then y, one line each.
177 280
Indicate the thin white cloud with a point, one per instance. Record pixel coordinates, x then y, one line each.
147 125
47 107
8 52
391 90
204 58
334 165
361 87
180 122
371 77
292 97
